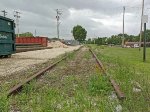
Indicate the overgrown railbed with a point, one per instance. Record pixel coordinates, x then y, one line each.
126 67
74 85
6 82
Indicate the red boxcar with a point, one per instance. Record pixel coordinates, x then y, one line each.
32 40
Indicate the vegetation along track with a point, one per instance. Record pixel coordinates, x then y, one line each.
75 84
19 86
119 93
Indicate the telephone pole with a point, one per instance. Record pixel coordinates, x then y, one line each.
59 12
17 16
4 13
141 25
35 33
123 27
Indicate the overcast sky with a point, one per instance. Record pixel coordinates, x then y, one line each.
98 17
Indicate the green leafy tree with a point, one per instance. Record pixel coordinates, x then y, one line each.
147 35
104 40
89 41
26 34
115 39
99 41
79 33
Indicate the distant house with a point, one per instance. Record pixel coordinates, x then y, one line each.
135 44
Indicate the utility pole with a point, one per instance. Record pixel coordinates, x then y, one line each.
141 25
59 12
35 33
123 27
144 45
4 13
17 16
144 20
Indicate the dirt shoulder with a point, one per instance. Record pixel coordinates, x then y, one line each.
25 60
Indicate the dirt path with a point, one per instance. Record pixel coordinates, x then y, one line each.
25 60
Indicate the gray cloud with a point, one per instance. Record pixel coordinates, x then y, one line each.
99 17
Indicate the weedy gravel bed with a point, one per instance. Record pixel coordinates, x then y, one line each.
6 82
74 85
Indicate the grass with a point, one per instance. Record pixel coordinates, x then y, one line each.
3 103
50 99
99 85
80 88
77 85
125 65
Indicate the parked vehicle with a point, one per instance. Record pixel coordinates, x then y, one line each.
7 37
71 42
136 45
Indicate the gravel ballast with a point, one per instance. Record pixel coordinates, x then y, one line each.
25 60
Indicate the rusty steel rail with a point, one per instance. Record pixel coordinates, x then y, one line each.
19 86
16 89
98 61
116 87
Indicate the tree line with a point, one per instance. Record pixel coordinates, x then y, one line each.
79 33
117 39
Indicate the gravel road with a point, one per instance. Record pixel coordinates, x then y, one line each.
25 60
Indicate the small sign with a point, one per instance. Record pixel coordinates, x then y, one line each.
145 19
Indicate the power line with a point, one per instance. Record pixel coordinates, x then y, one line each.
17 16
59 12
4 13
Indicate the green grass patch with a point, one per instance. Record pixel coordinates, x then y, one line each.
125 65
99 84
4 104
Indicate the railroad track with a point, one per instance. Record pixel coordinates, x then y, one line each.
19 87
116 87
16 89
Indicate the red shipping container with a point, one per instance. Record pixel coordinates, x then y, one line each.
32 40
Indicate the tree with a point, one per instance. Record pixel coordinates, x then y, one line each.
117 39
99 41
26 34
114 39
89 41
79 33
147 35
